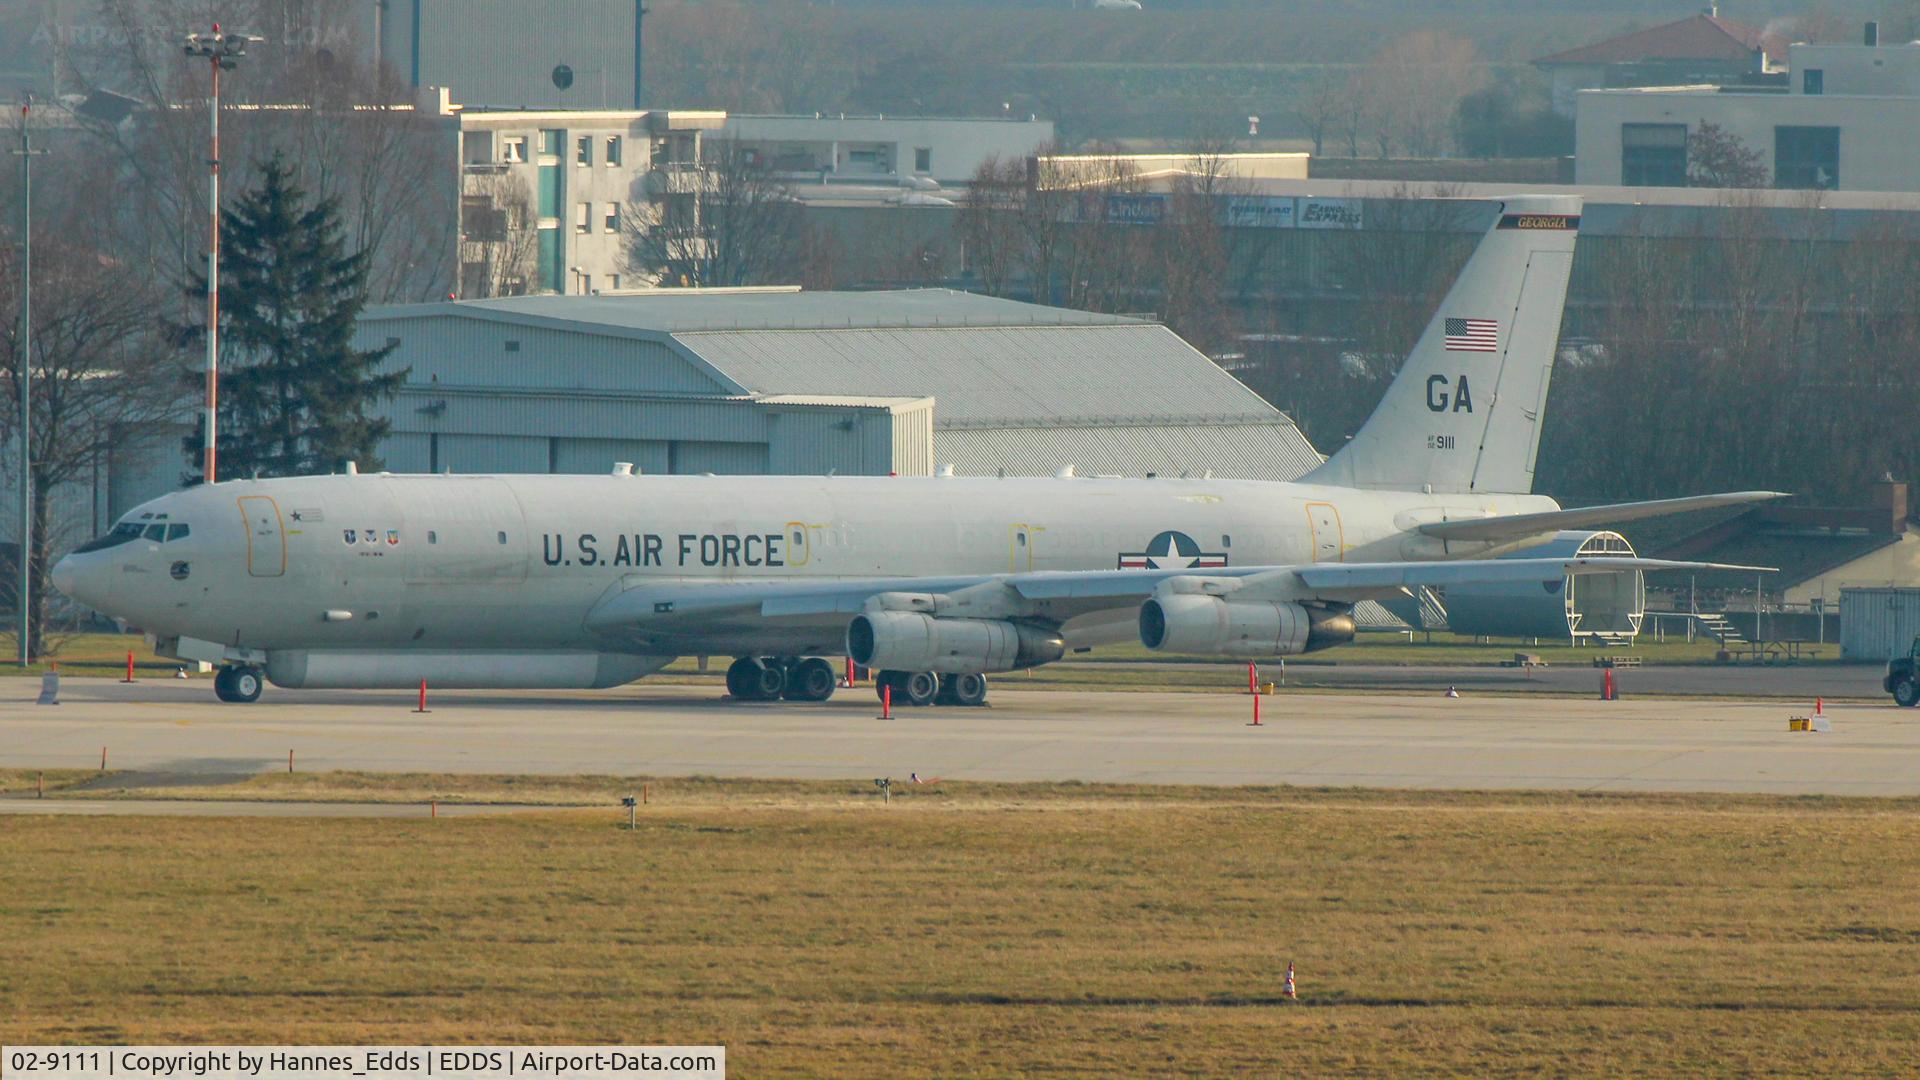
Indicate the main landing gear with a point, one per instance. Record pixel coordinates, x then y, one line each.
772 678
754 678
239 684
928 688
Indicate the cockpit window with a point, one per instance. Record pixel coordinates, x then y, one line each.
175 532
122 533
156 532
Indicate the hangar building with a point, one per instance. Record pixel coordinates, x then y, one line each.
779 381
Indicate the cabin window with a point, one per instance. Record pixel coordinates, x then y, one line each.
502 536
156 532
176 532
432 537
1226 541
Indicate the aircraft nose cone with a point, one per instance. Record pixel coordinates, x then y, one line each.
64 575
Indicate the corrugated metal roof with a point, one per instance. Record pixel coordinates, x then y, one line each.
673 311
1272 450
1139 373
851 401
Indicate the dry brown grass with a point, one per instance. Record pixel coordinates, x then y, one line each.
986 929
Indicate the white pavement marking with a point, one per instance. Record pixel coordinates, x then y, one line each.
1378 740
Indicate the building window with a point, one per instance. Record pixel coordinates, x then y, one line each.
613 149
923 159
612 221
563 77
583 150
613 282
1813 81
1806 157
582 215
1653 155
586 284
513 149
550 142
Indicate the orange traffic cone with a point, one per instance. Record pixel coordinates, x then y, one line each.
1818 709
1288 990
1607 690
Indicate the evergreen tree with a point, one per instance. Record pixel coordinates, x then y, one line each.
294 398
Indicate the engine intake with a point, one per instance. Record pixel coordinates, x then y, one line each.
910 641
1191 623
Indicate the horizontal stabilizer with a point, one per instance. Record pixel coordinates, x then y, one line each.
1519 526
1331 579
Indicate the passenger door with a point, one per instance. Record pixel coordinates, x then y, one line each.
266 537
1323 520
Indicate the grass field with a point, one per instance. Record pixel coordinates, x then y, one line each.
982 929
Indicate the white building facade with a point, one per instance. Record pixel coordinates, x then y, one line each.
1843 123
548 199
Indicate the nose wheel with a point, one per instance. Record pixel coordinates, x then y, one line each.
239 684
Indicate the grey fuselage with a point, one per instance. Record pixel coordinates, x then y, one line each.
517 562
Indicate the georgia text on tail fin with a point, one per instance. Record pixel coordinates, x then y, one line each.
1464 413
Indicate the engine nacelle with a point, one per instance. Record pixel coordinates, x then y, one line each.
1210 625
910 641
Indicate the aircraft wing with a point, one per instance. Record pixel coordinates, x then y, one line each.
691 614
1519 526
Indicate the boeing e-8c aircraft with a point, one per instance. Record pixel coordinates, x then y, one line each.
934 582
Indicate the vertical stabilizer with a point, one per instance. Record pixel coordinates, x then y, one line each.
1464 413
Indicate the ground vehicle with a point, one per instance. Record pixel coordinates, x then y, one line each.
1902 680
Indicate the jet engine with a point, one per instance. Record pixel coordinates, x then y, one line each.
910 641
1196 623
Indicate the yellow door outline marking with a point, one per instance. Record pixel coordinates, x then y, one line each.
805 544
280 529
1014 546
1339 532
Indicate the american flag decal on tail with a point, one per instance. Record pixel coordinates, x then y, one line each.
1473 335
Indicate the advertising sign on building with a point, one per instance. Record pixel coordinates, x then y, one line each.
1317 213
1260 211
1136 209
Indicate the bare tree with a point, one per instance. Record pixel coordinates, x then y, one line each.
724 220
1759 349
1071 233
1413 87
1398 268
105 373
1350 121
353 131
1718 158
1321 109
989 222
1194 249
499 245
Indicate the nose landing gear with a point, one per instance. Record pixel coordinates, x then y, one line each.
239 684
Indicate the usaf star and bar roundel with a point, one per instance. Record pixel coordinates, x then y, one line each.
1172 550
